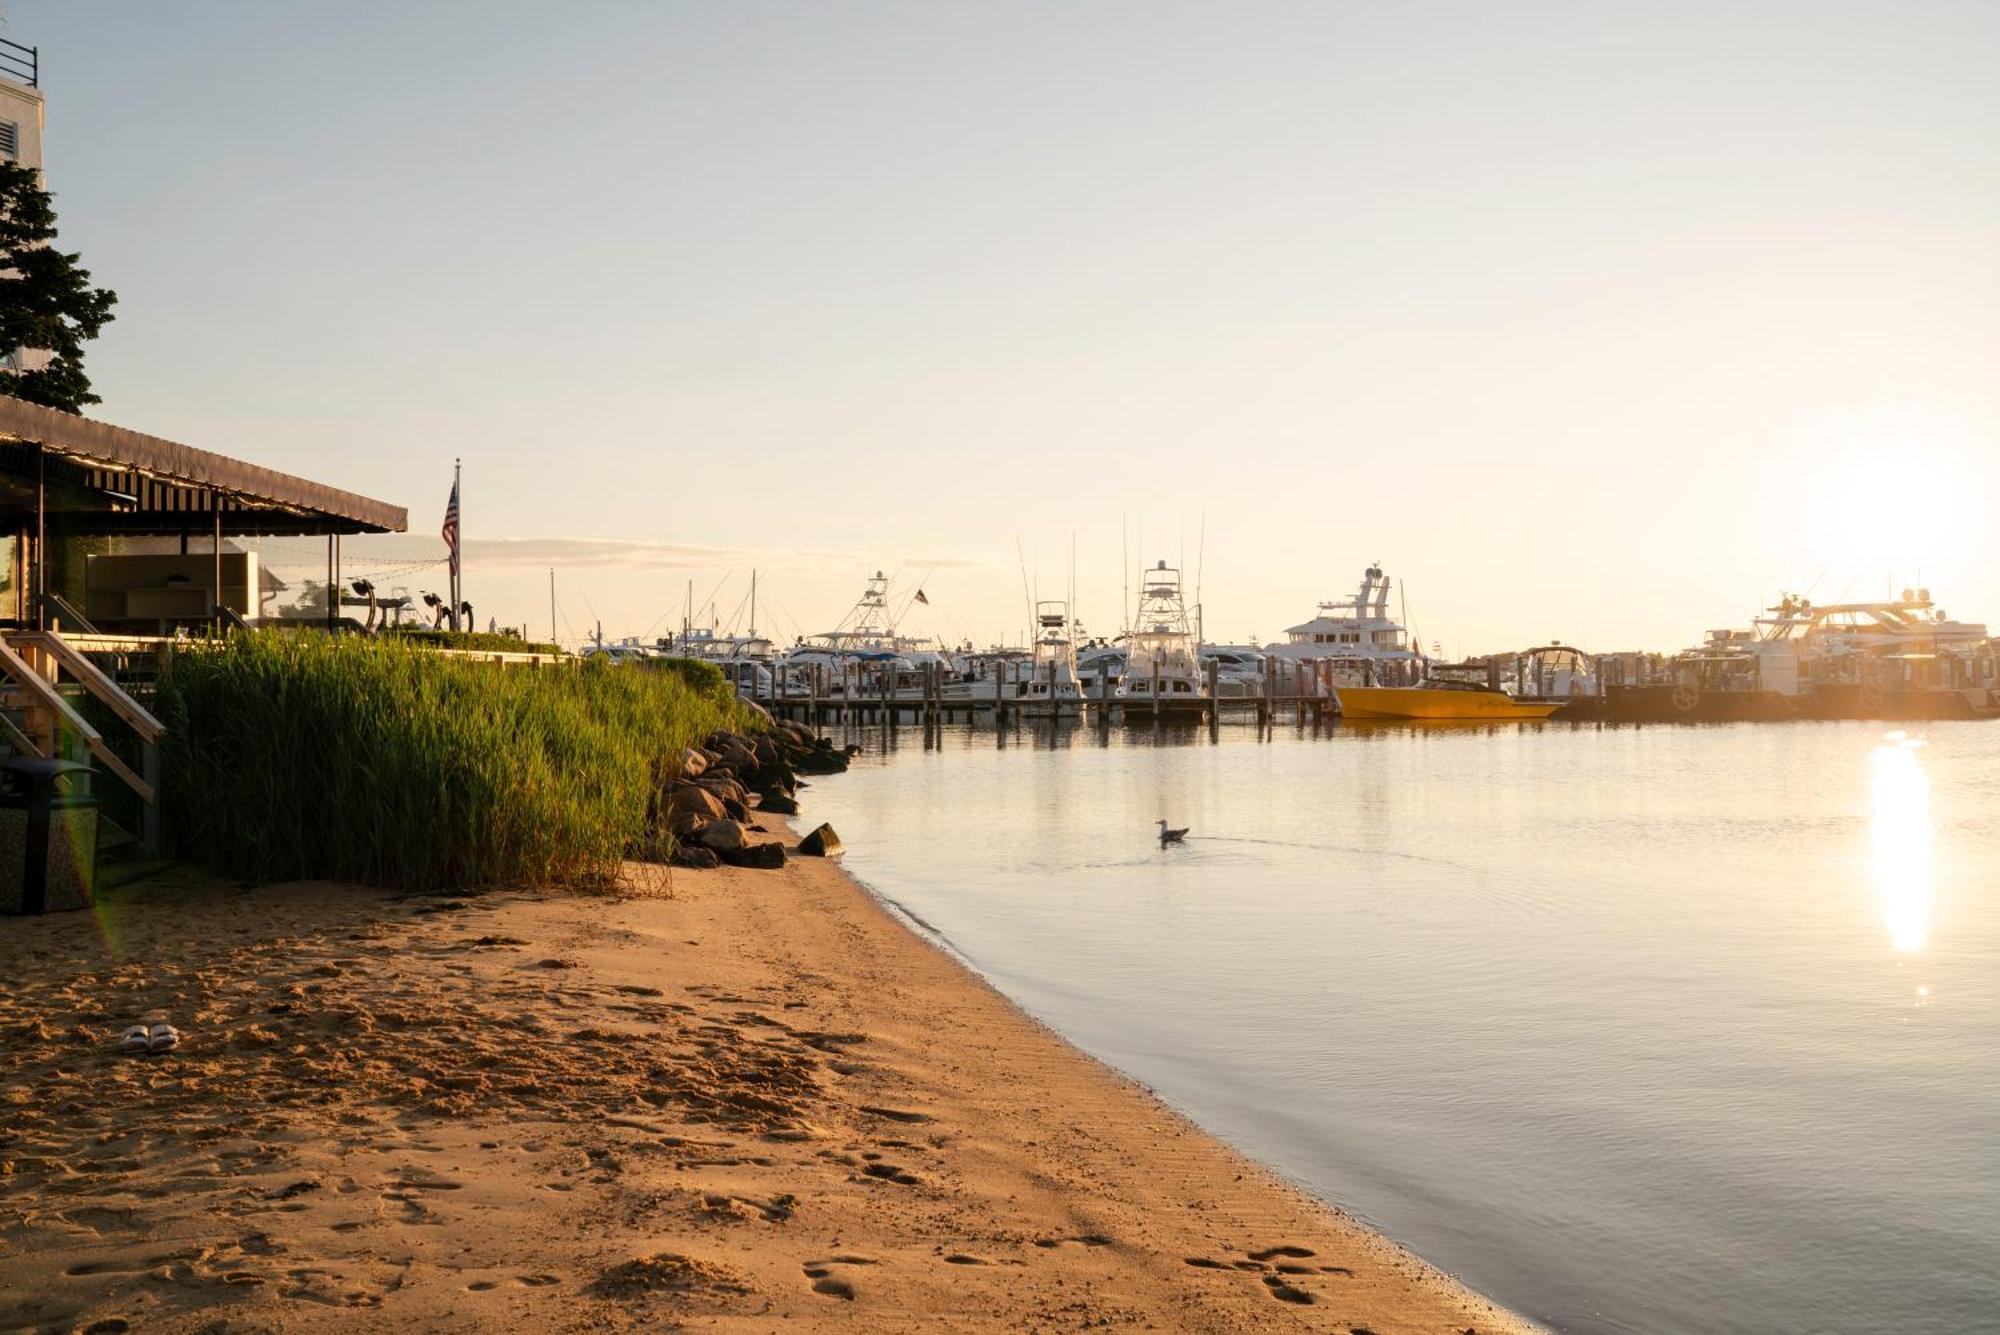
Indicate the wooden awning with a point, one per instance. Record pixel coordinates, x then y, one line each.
117 481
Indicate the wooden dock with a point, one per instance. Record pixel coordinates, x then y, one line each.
1304 694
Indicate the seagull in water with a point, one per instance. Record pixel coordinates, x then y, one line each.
1171 836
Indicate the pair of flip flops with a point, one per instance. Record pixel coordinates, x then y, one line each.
142 1038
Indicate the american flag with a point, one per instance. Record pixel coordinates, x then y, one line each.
450 530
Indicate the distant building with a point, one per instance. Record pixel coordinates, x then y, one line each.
20 104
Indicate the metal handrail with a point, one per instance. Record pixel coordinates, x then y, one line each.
63 608
22 62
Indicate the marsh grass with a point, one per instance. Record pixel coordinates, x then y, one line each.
297 755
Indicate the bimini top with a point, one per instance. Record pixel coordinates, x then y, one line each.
99 478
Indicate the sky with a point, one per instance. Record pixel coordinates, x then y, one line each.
1596 322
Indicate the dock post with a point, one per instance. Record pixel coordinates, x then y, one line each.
1156 690
1214 709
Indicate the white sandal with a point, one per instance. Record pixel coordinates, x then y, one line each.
162 1038
137 1039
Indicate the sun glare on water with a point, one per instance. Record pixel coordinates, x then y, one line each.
1901 827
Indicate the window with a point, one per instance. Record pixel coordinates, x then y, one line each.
10 139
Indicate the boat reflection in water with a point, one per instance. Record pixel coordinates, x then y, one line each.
1901 826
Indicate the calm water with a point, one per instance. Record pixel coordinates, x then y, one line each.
1664 1030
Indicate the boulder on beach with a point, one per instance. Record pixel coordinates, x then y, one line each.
821 843
735 809
700 859
764 857
777 803
693 763
724 787
694 800
724 836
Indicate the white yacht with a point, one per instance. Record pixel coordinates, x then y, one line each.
706 642
1364 644
1162 669
1903 641
1052 687
1239 669
866 647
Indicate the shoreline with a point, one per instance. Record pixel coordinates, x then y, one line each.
765 1098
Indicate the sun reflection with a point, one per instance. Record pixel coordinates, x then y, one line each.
1901 825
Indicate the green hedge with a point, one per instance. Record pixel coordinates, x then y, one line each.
297 755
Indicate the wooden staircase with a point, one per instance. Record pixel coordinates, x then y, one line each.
46 679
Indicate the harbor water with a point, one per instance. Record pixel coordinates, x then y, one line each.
1666 1030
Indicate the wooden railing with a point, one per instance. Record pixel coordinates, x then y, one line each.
35 661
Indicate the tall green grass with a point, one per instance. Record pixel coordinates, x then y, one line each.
294 755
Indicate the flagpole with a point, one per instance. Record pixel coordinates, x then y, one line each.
458 556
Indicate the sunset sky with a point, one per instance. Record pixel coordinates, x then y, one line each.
1599 322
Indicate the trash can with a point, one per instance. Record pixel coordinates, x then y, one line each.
48 836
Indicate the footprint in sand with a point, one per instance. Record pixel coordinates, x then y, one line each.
826 1282
1280 1284
1085 1240
898 1114
888 1172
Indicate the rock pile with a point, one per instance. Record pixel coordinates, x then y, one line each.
707 799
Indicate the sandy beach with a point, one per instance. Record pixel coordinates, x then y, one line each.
741 1101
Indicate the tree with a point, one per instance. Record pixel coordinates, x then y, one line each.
48 308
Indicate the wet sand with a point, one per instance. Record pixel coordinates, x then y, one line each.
747 1101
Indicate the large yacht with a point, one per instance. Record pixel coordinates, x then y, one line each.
1899 658
867 644
1162 672
1365 646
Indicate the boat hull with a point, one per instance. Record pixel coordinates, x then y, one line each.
1419 702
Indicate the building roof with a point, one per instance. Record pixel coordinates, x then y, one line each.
136 483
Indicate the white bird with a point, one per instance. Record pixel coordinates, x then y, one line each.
1168 836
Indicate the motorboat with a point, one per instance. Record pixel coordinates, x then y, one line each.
1439 699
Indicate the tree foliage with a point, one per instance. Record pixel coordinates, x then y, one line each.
47 304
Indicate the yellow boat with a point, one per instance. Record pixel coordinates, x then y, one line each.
1438 702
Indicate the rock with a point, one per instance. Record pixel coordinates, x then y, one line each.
735 809
684 823
688 855
764 857
724 836
821 843
693 764
777 803
821 762
725 788
694 800
766 749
